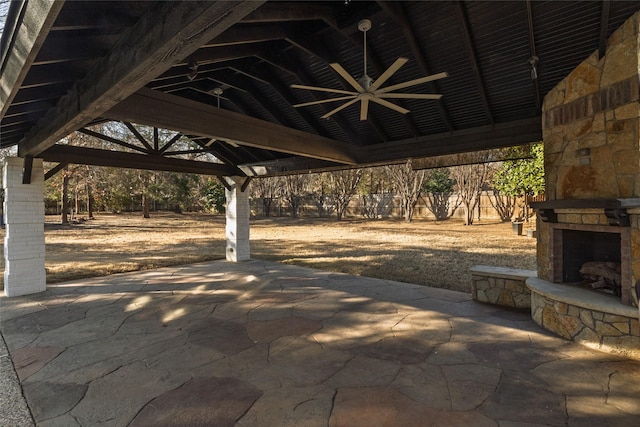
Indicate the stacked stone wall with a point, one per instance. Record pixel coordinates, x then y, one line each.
591 124
501 286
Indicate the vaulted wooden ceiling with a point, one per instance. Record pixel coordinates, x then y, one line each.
68 65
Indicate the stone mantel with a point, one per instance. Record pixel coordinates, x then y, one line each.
622 203
615 210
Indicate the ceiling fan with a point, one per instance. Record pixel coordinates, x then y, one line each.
366 89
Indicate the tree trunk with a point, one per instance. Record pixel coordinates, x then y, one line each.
89 201
65 199
76 200
145 206
266 206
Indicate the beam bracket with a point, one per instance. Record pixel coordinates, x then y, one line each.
225 183
245 184
54 170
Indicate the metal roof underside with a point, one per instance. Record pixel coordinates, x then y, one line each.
85 62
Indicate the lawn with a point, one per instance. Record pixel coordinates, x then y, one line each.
425 252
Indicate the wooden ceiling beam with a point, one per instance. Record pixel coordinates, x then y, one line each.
249 33
172 112
303 77
533 58
397 12
29 34
113 140
319 50
463 19
263 74
166 33
604 27
290 12
120 159
499 135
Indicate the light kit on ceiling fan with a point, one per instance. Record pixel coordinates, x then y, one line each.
367 90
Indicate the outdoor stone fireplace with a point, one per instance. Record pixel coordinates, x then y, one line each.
590 221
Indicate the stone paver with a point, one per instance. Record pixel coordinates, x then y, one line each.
264 344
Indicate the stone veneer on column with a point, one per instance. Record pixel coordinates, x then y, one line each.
591 123
237 227
591 133
24 248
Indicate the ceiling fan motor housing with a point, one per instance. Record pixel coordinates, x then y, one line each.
364 25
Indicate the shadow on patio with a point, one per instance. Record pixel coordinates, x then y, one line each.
266 344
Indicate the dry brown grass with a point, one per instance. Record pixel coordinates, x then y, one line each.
426 252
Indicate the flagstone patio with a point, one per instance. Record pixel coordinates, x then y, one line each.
264 344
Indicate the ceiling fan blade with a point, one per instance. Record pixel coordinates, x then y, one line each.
390 105
412 82
388 73
342 107
324 89
409 95
364 108
322 101
353 82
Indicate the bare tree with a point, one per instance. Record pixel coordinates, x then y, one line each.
320 193
372 185
469 181
503 204
294 188
344 184
438 188
266 189
408 185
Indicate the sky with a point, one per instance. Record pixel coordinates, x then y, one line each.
4 7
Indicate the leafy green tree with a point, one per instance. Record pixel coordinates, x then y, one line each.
522 178
215 198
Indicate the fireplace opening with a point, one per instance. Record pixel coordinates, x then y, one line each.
592 258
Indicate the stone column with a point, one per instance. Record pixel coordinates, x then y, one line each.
24 271
237 228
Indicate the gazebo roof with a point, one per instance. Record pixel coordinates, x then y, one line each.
67 65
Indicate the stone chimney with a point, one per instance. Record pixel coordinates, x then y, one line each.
591 133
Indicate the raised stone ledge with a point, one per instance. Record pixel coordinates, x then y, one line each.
501 286
579 297
502 272
595 320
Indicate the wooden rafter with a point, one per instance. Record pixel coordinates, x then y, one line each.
316 49
139 136
169 111
491 136
266 76
120 159
533 54
165 33
54 170
303 76
27 39
604 27
398 13
473 60
113 140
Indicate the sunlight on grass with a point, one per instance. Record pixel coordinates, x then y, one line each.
430 253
